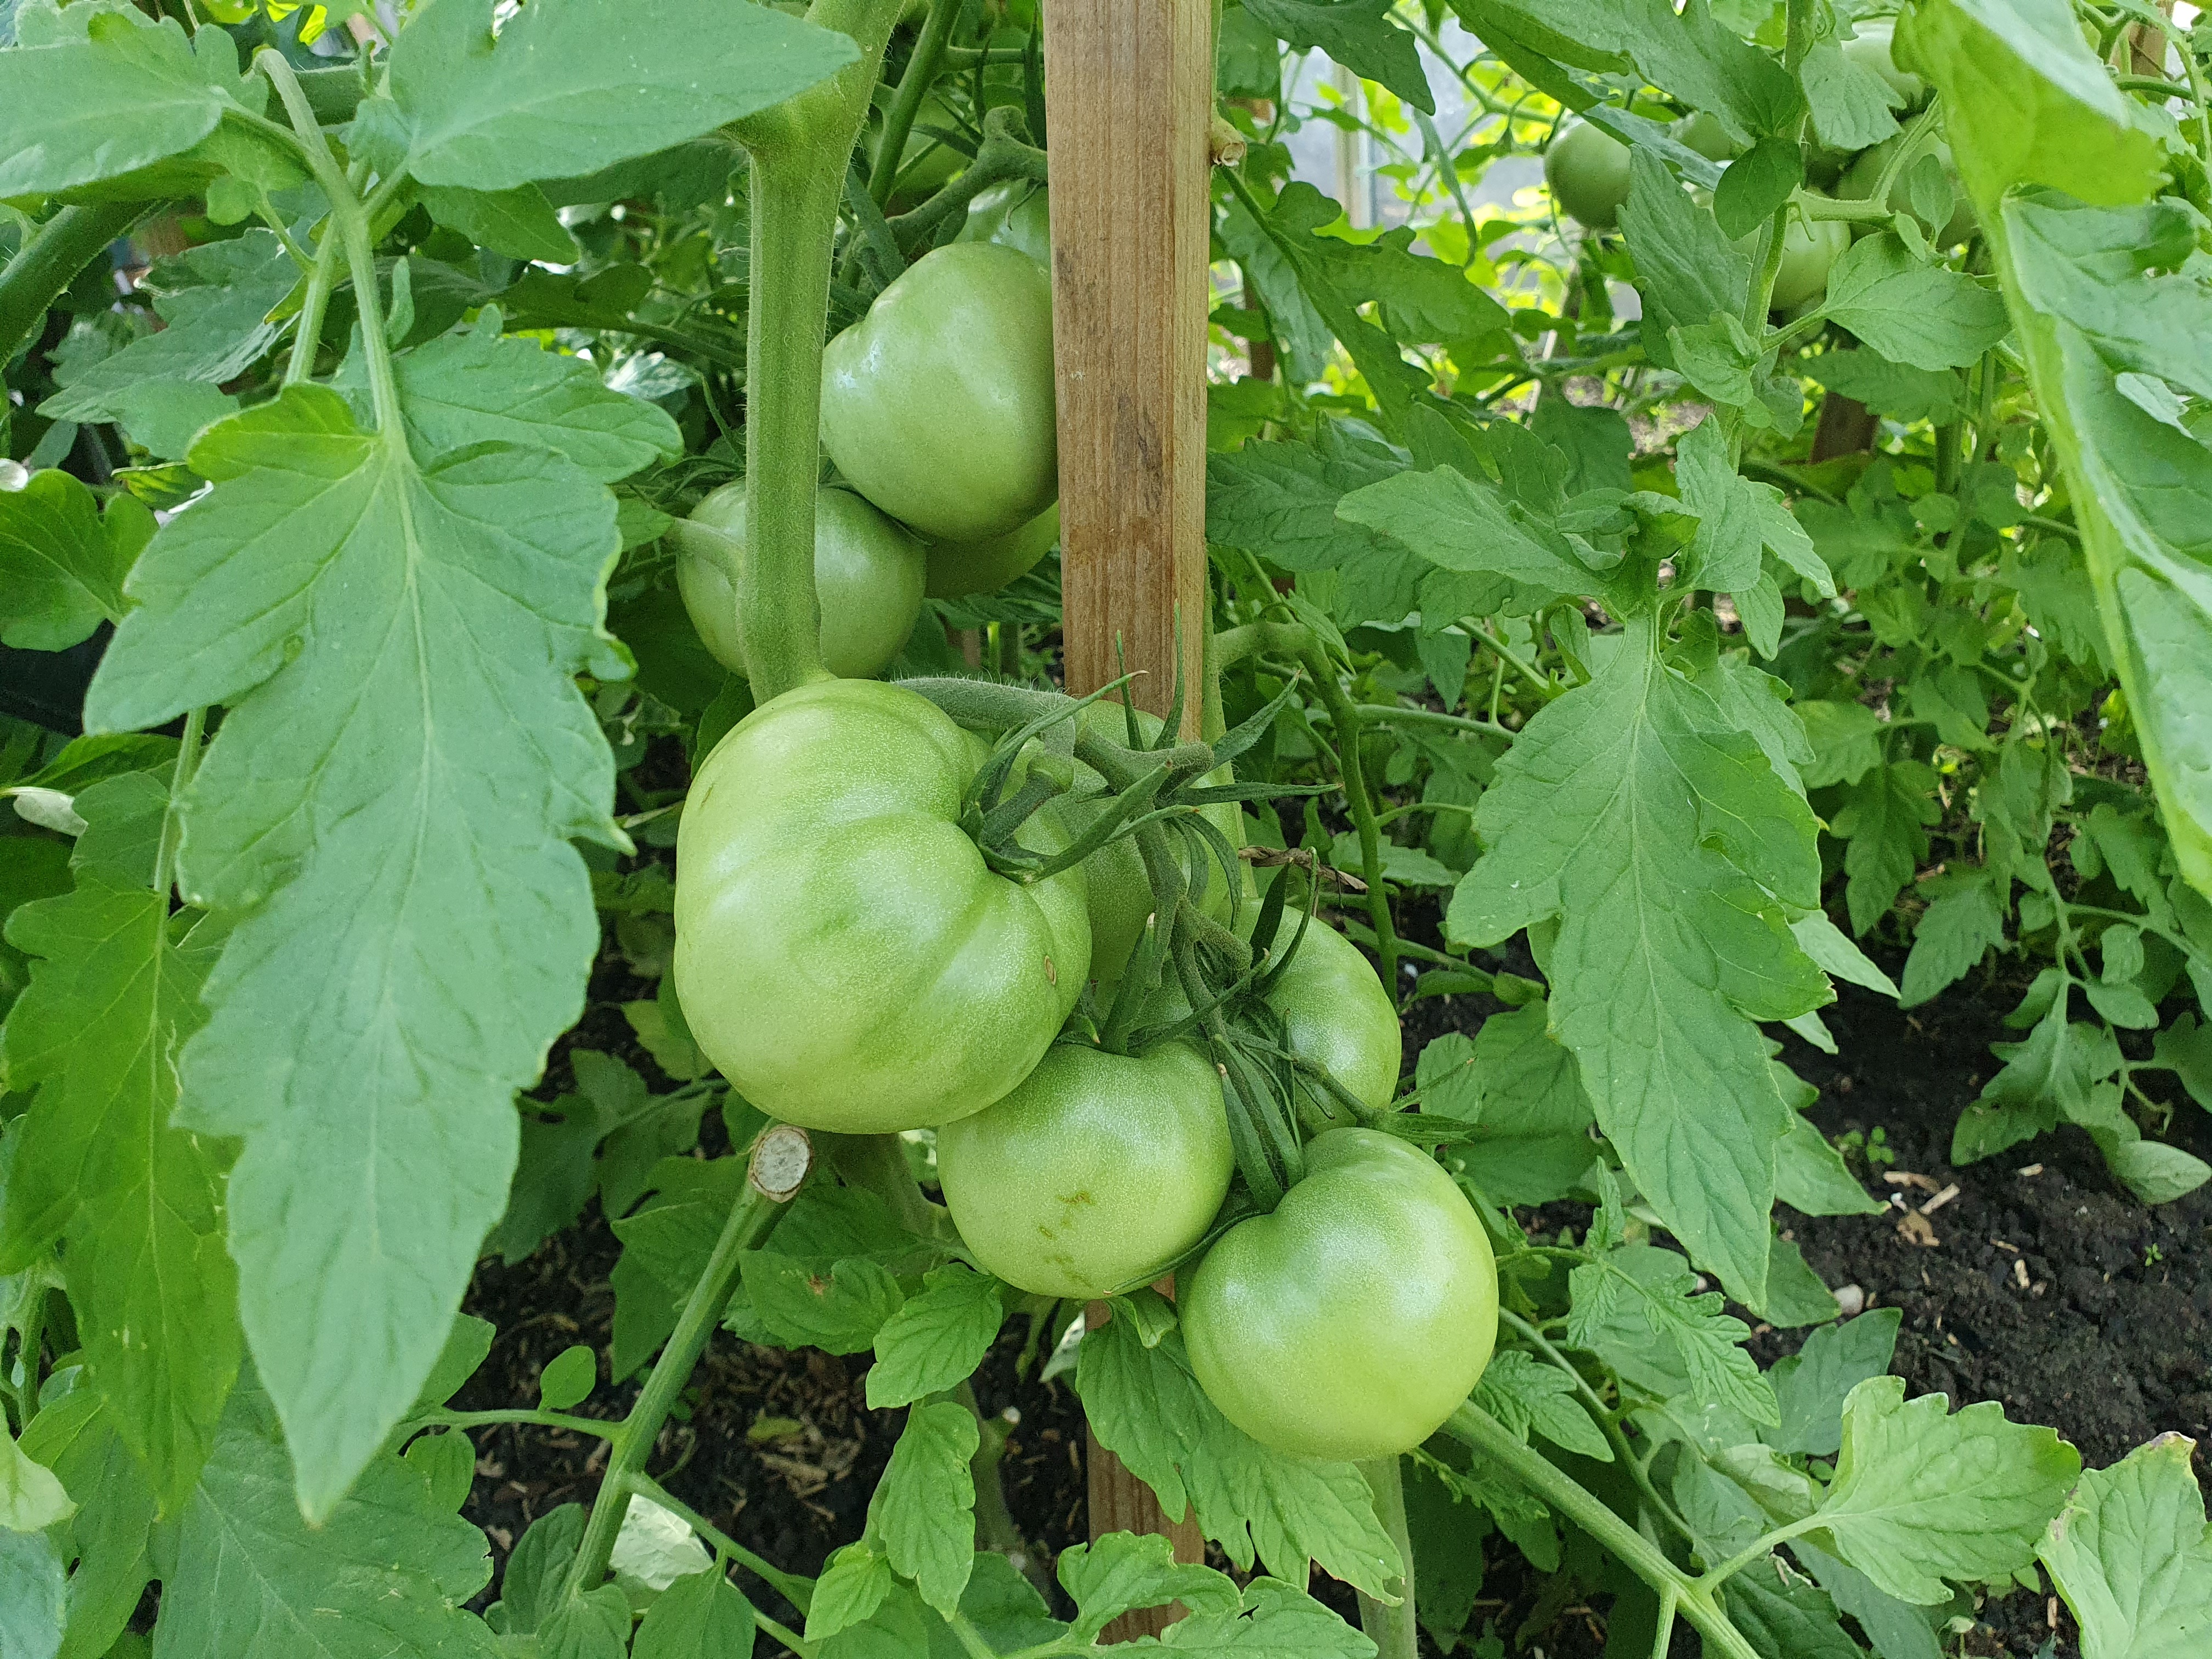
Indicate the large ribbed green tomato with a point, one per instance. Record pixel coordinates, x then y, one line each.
1865 173
937 405
1810 248
868 574
848 959
959 569
1096 1173
1587 168
1354 1319
1336 1013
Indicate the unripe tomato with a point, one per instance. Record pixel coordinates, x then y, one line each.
1336 1013
1014 213
1705 134
937 405
868 575
1809 248
1096 1173
1864 173
1873 47
959 569
1587 169
849 960
1358 1315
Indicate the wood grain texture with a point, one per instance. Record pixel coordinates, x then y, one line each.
1130 98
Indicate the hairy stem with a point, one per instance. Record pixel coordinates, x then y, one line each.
1391 1628
49 261
920 72
1476 1429
173 820
750 1221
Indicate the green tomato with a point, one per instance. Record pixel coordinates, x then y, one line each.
1864 173
849 960
1336 1013
1705 134
937 405
1809 248
868 574
1015 213
1096 1173
1873 46
1587 168
959 569
1358 1315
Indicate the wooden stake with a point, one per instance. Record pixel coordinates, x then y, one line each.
1130 100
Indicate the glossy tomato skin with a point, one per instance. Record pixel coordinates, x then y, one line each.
1587 168
848 959
868 574
1810 248
1015 213
1873 46
1704 133
1352 1321
937 405
1096 1172
1865 173
1336 1013
959 569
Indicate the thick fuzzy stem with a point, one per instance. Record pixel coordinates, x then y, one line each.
49 261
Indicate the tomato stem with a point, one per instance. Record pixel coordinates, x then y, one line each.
1390 1625
800 150
51 260
921 74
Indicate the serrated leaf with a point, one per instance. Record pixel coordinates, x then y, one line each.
575 85
1633 810
1279 499
1809 1175
1950 939
1523 1392
1927 315
924 1510
935 1339
2132 1555
1885 819
1786 1621
61 570
1636 1308
519 222
837 1309
1357 33
125 92
854 1582
214 303
75 1436
656 1548
1811 1385
384 1574
358 615
1850 103
33 1594
1147 1408
701 1616
473 386
1922 1494
1125 1571
1466 525
97 1163
31 1498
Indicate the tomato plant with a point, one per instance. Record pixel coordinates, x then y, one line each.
400 871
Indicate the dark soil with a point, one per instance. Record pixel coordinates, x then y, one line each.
2108 1341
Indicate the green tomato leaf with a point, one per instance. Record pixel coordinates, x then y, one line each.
1884 819
1636 811
384 1574
61 570
31 1498
853 1583
1276 1618
576 85
1897 390
76 1437
1809 1175
474 387
1636 1308
839 1311
1147 1408
1757 183
114 93
2132 1555
34 1594
1927 315
1898 1629
1691 271
1793 1619
1125 1571
446 1462
567 1377
358 613
1950 939
655 1547
1524 1095
1921 1495
1357 33
1850 103
924 1512
536 1572
1811 1385
672 1235
1279 499
519 222
1468 524
1523 1393
98 1164
214 303
699 1615
935 1339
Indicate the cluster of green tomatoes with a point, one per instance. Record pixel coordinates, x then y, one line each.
853 962
1586 170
